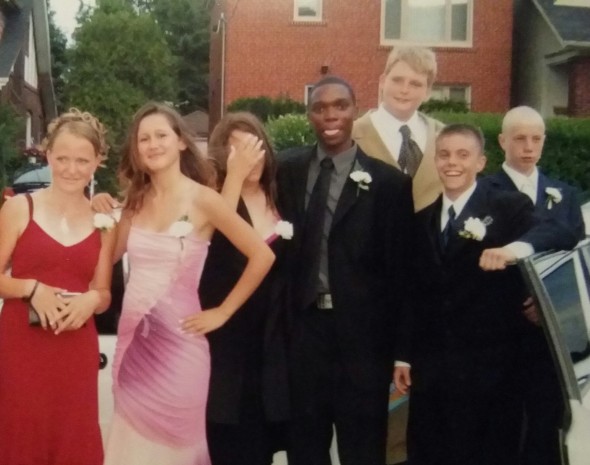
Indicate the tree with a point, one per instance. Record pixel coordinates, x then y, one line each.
185 24
120 60
11 126
59 63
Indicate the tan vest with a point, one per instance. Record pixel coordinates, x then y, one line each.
426 183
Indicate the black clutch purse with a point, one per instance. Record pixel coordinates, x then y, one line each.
34 319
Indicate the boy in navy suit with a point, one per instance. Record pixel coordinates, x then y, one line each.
522 139
467 312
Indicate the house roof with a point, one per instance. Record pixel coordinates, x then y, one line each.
571 24
198 123
13 39
15 29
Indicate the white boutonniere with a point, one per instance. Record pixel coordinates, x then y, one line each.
553 196
475 229
362 179
104 222
284 229
181 228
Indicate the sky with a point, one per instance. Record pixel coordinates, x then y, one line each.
65 14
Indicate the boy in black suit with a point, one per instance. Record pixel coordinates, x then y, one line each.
522 139
352 218
467 320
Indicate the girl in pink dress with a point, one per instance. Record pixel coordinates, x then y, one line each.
49 371
161 367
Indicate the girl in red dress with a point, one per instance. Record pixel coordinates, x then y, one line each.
60 265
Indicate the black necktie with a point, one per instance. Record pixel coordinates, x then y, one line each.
449 227
410 154
314 220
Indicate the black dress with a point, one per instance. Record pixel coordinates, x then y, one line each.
248 391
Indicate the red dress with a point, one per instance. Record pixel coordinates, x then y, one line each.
48 383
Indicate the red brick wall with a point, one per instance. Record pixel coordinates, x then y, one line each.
579 87
268 54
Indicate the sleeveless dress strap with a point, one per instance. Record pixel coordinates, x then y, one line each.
30 202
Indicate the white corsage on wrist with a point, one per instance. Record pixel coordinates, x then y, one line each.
284 229
553 196
181 228
362 179
475 229
104 222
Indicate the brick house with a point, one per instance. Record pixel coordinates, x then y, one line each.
281 47
25 65
552 56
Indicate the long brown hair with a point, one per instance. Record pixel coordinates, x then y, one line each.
135 180
219 149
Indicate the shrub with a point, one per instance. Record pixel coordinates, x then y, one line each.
288 131
266 108
11 127
450 106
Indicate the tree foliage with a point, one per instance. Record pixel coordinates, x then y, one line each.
120 60
11 127
58 44
185 24
267 108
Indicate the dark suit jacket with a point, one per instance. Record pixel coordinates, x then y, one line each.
567 212
248 353
367 255
468 320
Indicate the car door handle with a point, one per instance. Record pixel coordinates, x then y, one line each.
103 361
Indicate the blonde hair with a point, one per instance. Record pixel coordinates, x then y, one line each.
421 59
522 115
136 180
78 123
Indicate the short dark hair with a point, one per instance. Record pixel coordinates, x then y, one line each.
332 80
463 129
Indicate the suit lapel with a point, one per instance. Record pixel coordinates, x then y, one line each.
434 229
299 174
542 184
368 138
504 181
350 191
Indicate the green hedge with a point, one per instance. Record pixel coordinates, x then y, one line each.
11 131
267 108
288 131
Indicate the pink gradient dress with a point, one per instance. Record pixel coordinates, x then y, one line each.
160 374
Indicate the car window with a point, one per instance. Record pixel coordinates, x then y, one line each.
41 174
561 282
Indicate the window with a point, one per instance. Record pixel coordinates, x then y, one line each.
426 22
307 93
454 93
307 10
31 58
29 130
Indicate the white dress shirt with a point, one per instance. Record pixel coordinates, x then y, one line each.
526 184
387 126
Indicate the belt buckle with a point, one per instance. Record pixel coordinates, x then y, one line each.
324 302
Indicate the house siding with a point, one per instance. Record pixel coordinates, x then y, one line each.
262 58
579 87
